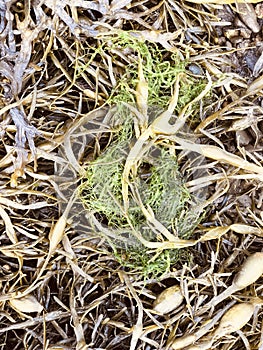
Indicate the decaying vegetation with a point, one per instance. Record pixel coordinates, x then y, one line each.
131 175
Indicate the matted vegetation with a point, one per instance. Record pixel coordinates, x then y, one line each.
131 175
138 99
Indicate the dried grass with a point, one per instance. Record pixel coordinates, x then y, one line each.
61 63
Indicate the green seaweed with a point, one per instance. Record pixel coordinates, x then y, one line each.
157 181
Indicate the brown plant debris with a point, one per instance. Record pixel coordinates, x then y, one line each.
66 65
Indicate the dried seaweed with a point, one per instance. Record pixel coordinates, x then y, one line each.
61 62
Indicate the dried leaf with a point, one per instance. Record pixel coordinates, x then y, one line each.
28 35
77 325
225 2
19 206
142 94
156 36
137 329
255 86
116 5
258 66
221 155
246 229
8 226
247 13
58 230
2 15
25 133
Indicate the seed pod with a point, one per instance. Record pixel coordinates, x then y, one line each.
182 342
26 304
250 271
234 319
168 300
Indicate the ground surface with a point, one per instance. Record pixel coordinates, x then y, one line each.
64 67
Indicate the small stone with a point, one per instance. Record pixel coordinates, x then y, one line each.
245 33
251 59
195 69
258 40
243 46
231 33
228 44
245 200
221 40
243 138
236 40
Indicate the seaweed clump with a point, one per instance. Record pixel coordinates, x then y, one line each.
158 186
157 190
